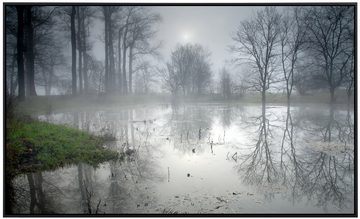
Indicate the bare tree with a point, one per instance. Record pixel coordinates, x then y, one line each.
349 82
170 79
109 12
145 77
292 37
11 86
225 84
48 60
256 40
11 50
96 75
201 72
188 69
20 51
73 50
141 30
128 14
331 42
120 34
29 54
79 44
83 29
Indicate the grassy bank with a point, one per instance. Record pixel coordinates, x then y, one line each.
33 145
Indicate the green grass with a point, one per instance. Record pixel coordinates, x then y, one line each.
33 145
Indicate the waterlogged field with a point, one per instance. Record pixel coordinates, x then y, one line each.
203 158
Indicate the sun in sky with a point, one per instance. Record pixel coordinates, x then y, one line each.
186 37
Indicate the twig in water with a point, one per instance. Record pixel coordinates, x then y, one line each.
235 157
224 136
97 207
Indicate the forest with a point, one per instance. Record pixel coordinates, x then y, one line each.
103 104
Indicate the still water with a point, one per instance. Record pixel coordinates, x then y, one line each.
204 158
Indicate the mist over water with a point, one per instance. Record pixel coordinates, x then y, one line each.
130 109
204 158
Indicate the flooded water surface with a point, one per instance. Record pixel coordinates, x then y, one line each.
204 158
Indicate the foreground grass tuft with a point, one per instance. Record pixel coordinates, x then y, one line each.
33 145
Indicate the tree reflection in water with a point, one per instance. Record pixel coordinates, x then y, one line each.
38 202
259 165
329 170
319 169
36 195
307 156
85 189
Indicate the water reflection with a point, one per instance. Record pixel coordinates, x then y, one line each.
330 168
37 195
258 165
227 117
225 158
315 159
189 127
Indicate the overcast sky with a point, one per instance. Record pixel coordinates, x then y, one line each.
210 26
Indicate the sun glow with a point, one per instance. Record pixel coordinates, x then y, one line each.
186 37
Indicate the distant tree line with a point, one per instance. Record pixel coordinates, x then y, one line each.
296 48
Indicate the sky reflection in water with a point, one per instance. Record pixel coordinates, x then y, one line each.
202 158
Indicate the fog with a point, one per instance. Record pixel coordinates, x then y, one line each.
211 27
117 109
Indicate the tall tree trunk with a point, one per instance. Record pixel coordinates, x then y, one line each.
79 49
263 100
125 89
332 95
47 90
49 85
119 51
106 49
30 52
130 66
20 52
46 79
349 93
111 55
85 56
73 51
12 78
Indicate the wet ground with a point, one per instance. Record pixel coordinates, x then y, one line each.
204 158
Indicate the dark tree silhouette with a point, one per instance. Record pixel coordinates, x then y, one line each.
20 51
29 54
